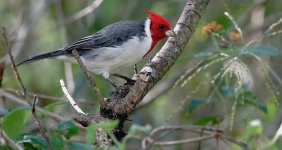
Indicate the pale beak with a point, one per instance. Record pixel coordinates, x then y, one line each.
170 33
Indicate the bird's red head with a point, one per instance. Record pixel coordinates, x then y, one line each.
160 28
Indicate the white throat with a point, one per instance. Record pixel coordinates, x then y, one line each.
147 27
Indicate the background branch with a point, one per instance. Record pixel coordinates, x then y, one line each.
205 133
24 95
9 141
87 10
25 29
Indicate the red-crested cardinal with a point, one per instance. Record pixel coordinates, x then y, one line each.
115 47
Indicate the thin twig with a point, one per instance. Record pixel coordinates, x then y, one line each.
235 24
9 141
23 94
190 140
39 125
38 95
87 10
2 68
13 64
71 100
243 145
22 102
90 79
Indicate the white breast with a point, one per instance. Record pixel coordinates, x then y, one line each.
115 59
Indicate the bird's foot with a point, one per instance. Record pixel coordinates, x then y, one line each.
128 80
112 83
135 69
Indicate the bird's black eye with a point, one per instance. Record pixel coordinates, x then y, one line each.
161 26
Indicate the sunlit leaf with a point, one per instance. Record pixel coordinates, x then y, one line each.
14 122
108 125
90 133
206 120
52 106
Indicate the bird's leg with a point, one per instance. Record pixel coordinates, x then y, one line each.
150 59
135 68
128 80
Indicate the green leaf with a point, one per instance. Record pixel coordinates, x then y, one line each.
137 129
76 146
36 140
57 141
262 50
90 133
29 146
206 120
260 105
278 143
65 125
108 125
14 122
194 103
39 142
247 97
52 106
70 127
5 147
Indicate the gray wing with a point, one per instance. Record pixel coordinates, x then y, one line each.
111 36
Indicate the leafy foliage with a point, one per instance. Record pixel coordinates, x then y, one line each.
14 122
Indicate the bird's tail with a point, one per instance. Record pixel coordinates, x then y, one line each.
43 56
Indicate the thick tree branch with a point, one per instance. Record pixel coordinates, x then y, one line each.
160 64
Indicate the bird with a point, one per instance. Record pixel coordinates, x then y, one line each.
115 47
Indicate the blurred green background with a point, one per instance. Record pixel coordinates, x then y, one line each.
236 88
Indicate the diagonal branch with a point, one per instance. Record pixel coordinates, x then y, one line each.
89 78
164 59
